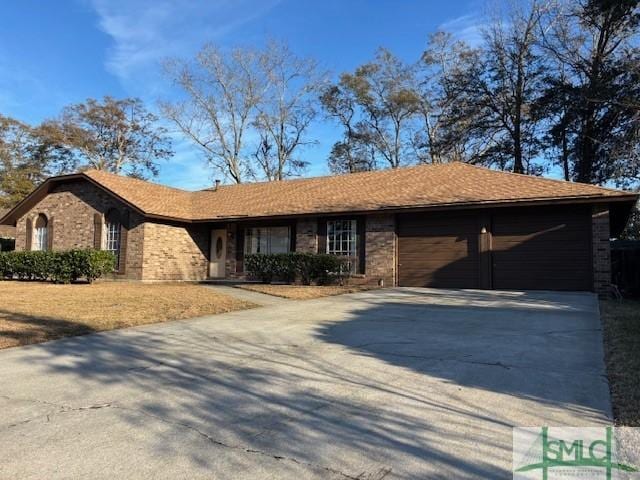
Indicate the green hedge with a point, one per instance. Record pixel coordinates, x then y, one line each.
60 267
307 267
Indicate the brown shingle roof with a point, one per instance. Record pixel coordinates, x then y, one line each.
420 186
443 185
151 198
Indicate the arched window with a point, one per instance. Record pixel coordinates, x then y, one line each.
112 234
41 233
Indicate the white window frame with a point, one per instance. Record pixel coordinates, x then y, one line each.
41 238
112 240
265 234
342 240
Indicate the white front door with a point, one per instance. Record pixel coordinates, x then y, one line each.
218 253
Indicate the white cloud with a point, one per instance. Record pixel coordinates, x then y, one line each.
467 28
146 31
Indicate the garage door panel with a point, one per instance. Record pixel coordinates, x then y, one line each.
506 254
410 245
540 238
547 249
531 248
437 250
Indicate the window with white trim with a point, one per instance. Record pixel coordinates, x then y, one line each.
112 233
267 240
342 240
41 234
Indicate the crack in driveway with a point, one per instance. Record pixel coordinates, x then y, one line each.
62 409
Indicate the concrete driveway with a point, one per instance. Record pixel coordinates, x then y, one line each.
400 383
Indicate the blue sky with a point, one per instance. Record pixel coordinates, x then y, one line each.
61 52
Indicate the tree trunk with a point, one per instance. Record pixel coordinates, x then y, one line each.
565 156
584 170
518 166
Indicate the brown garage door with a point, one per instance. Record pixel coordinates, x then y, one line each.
438 250
547 249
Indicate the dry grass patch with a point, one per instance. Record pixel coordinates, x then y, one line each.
621 323
304 292
38 312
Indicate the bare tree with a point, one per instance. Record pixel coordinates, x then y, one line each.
592 95
286 110
236 97
446 74
504 85
222 92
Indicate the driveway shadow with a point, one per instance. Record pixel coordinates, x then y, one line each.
543 346
394 389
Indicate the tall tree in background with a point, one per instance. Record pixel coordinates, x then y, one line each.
285 111
19 174
354 153
234 97
384 93
119 136
222 91
27 157
504 86
445 113
594 96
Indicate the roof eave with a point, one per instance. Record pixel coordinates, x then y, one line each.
12 216
632 197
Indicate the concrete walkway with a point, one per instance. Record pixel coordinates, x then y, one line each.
396 383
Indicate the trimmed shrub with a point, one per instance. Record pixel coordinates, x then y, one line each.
98 264
61 267
322 268
260 266
27 265
308 267
285 266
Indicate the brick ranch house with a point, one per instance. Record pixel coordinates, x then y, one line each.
449 225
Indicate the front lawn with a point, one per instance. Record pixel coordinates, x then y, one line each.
304 292
38 312
621 323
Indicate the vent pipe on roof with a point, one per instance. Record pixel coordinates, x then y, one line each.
217 184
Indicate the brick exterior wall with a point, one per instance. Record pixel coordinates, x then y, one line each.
380 249
175 252
157 251
7 231
307 235
71 208
601 249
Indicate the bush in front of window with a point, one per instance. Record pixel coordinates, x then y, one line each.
262 266
321 268
309 268
34 265
60 267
